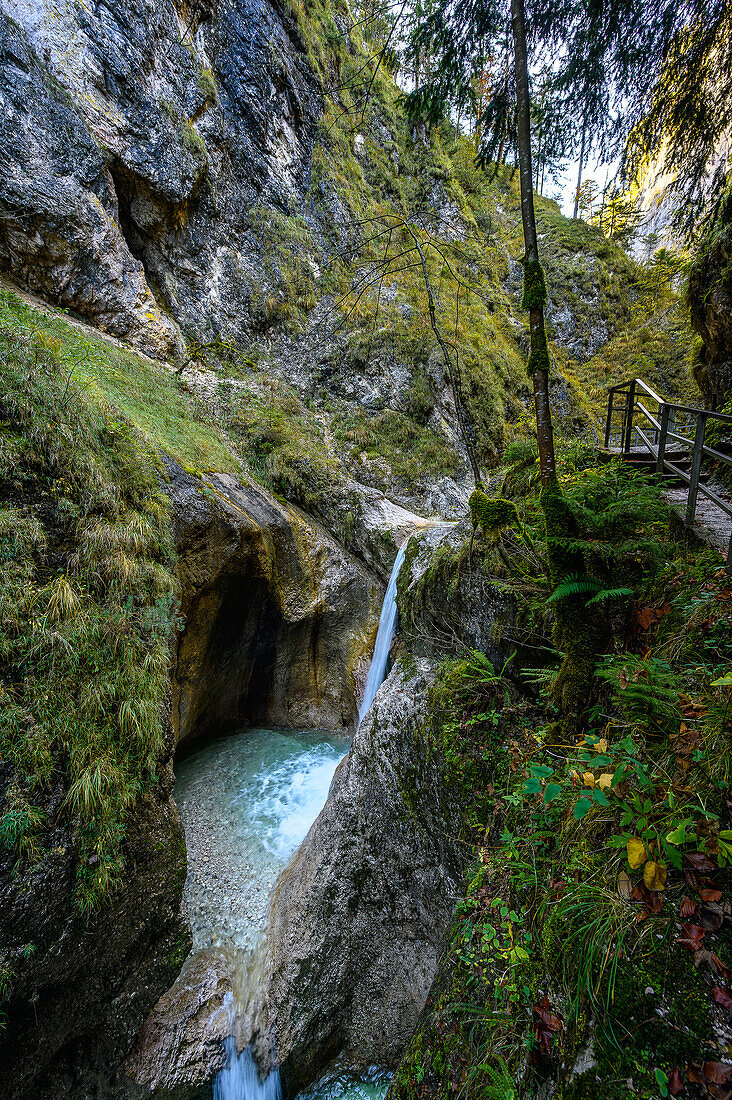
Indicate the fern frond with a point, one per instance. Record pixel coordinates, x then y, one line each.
575 585
610 594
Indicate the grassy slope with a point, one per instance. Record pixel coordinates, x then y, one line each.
146 393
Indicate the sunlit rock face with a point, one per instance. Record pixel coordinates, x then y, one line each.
139 143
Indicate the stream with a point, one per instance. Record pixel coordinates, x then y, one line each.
247 801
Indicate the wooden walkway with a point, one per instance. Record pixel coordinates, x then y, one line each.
671 439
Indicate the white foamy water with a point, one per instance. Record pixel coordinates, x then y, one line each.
239 1079
384 635
290 797
247 801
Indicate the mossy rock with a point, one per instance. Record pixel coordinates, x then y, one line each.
491 514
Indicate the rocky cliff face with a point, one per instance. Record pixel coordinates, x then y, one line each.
138 141
87 984
279 619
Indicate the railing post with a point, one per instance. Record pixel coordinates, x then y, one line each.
628 426
665 413
610 397
696 464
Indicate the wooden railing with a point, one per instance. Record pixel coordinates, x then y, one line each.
649 423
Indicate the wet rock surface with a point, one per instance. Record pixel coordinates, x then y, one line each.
179 1049
358 919
445 611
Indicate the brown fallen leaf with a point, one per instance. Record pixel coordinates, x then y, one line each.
722 997
687 907
710 895
718 966
718 1072
698 861
711 917
691 937
676 1082
624 886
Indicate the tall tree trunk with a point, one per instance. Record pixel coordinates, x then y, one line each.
577 634
579 173
534 290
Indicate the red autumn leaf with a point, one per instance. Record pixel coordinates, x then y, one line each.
718 1072
710 895
676 1082
640 893
691 937
698 861
687 907
722 997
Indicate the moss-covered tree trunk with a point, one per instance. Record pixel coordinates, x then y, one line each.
534 297
574 633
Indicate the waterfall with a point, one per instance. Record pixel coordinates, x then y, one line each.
385 633
239 1079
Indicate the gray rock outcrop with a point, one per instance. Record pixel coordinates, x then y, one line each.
138 143
358 919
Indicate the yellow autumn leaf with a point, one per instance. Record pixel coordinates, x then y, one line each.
654 875
636 852
588 779
605 780
601 745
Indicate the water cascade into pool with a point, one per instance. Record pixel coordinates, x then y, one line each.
247 801
384 636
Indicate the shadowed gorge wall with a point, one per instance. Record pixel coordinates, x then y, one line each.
279 619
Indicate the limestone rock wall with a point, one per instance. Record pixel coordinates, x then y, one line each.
137 141
279 618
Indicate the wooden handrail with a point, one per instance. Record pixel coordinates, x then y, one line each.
663 427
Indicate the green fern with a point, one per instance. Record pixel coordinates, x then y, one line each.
610 594
500 1085
645 691
580 584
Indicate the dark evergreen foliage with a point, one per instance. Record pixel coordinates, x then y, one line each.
653 80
